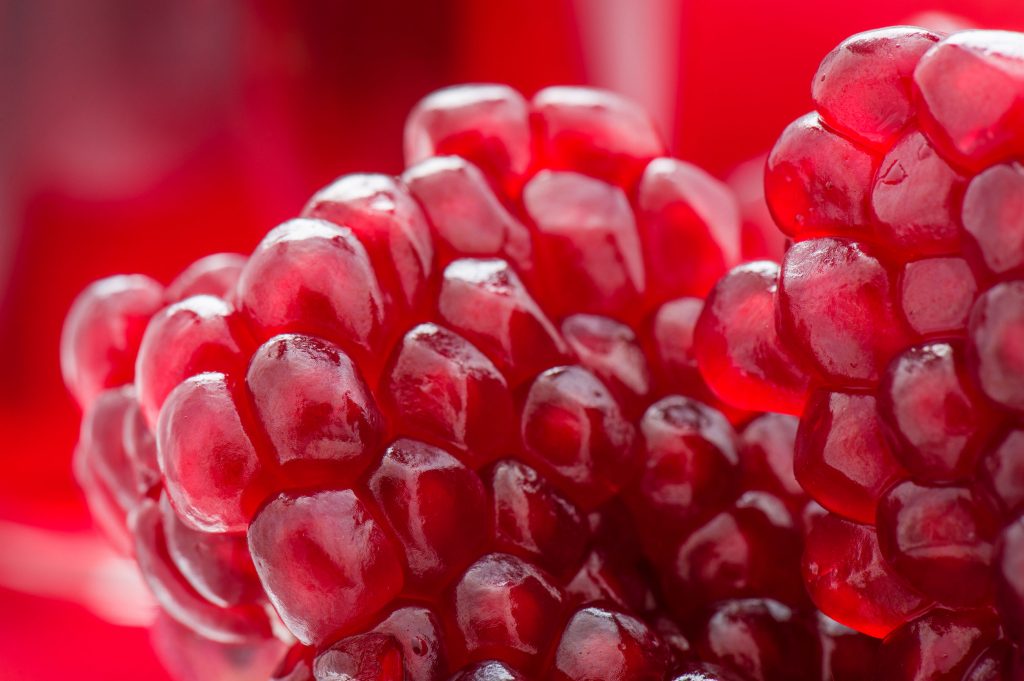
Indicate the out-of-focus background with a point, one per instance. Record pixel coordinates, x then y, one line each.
138 136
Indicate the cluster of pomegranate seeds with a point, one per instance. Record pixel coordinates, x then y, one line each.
895 329
450 425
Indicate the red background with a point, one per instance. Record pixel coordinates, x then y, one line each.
136 137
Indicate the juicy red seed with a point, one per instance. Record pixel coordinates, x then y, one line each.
1009 576
442 389
935 295
435 506
936 419
367 657
103 331
595 132
940 540
940 646
210 466
994 343
489 670
689 226
504 608
588 246
603 644
762 640
608 576
850 581
532 519
214 275
751 549
101 436
177 598
738 347
689 469
767 445
468 219
863 87
1002 471
197 335
186 654
817 182
485 301
309 276
487 124
107 513
993 214
846 655
574 430
418 632
673 337
314 406
389 223
326 563
833 296
218 566
842 457
974 131
916 199
140 448
611 352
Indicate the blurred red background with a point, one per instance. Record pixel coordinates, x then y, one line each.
136 137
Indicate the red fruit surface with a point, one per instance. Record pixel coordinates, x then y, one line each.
103 331
326 563
738 347
903 291
851 582
940 645
435 427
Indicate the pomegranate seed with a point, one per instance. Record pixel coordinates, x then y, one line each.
738 347
680 206
817 182
842 458
992 214
314 406
852 583
312 277
486 124
940 539
103 331
388 222
761 640
215 275
327 564
863 87
974 132
197 335
595 132
938 646
588 245
574 430
466 216
441 388
210 465
504 608
936 295
602 644
435 506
